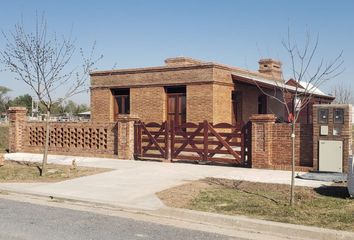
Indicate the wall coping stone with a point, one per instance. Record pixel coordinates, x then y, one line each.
17 109
127 118
263 118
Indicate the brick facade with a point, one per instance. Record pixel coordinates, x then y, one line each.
209 90
345 131
222 104
271 144
199 103
148 103
101 105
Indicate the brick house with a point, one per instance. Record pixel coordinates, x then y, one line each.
189 90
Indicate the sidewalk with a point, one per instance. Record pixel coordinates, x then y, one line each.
133 184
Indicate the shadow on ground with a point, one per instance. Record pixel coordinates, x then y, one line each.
333 191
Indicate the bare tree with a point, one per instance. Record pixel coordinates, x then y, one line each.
43 62
307 76
343 94
4 98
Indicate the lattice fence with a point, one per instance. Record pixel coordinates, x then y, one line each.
72 137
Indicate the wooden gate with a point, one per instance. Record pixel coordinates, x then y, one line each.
151 140
202 142
207 143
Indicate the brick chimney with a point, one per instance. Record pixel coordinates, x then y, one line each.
270 67
181 61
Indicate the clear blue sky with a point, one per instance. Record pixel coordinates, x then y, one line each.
144 33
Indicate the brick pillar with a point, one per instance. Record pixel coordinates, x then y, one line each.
126 136
17 119
343 132
262 125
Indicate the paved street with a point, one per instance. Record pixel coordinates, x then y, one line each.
21 221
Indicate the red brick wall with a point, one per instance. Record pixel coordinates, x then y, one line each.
272 144
74 138
282 145
148 103
111 139
101 105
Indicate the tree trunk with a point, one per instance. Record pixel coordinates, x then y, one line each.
46 145
292 186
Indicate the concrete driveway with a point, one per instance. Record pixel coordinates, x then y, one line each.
133 184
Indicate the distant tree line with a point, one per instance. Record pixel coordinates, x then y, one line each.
69 107
4 99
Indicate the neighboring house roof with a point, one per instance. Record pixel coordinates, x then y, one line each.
85 113
263 82
312 88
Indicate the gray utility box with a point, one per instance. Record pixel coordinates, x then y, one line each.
330 156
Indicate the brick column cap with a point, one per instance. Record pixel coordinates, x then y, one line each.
127 117
345 105
270 118
17 109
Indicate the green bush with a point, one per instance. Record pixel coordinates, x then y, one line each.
4 138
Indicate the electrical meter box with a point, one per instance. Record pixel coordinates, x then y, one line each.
338 116
323 115
330 156
332 137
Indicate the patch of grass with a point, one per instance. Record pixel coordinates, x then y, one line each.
4 138
29 172
327 207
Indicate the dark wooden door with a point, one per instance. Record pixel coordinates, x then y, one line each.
236 107
121 105
176 108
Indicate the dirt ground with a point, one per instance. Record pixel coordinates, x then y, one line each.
328 206
181 196
13 171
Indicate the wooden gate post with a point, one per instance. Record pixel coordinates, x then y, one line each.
205 141
167 142
172 140
137 140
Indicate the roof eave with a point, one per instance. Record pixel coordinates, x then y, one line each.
267 84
